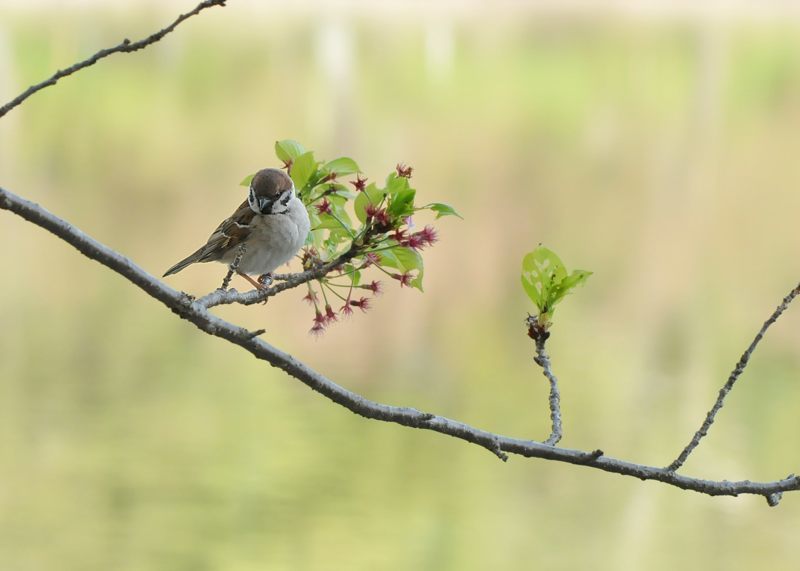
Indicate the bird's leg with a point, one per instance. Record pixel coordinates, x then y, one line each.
227 280
234 266
265 279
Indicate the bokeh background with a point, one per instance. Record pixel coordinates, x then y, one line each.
654 143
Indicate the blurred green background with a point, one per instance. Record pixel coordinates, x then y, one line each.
657 148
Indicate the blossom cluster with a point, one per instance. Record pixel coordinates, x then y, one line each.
369 228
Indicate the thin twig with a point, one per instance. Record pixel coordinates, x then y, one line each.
543 360
737 371
204 320
126 46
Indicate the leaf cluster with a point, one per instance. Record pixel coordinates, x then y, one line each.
546 281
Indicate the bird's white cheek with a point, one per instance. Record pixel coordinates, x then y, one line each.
251 200
279 208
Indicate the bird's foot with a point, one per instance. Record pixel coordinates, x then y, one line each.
265 280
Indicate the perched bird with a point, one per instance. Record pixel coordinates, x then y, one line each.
272 224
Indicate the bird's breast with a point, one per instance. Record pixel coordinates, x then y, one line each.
273 241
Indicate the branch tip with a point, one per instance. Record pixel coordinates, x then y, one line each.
593 455
741 364
497 450
774 499
256 333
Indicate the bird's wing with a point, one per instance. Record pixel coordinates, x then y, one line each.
228 236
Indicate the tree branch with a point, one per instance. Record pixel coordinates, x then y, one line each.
196 313
228 296
554 400
726 388
125 46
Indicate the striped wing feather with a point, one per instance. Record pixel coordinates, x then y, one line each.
228 235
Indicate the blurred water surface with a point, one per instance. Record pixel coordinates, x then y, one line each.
659 152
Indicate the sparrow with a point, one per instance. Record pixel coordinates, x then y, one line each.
271 225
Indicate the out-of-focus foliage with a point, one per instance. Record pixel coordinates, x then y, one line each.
660 153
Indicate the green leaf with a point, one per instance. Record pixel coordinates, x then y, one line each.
341 197
546 281
409 258
335 238
288 150
247 180
405 260
340 194
388 259
302 169
402 203
532 289
330 251
338 235
370 195
314 238
331 187
576 278
344 194
342 166
542 271
395 184
442 209
339 211
326 221
412 260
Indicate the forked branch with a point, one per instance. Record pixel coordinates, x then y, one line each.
726 388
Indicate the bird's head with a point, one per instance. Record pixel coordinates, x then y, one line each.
270 192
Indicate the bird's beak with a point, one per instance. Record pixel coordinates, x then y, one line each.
265 205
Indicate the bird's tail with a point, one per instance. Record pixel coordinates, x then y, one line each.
183 263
